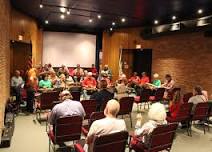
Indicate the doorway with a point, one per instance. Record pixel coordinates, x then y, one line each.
137 60
20 55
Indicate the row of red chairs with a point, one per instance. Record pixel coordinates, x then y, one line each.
69 129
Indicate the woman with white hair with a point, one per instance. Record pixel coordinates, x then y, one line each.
157 116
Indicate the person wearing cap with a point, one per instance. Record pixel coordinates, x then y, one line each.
157 116
67 107
109 124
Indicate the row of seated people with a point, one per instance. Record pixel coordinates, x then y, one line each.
157 116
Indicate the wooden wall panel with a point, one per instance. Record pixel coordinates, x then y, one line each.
185 56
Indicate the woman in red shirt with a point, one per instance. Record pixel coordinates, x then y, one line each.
174 106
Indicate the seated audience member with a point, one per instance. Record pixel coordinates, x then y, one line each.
16 84
102 95
144 79
157 116
121 89
169 83
50 68
53 78
174 106
62 81
107 71
78 73
89 82
135 79
94 71
67 107
63 70
156 82
197 98
45 82
109 124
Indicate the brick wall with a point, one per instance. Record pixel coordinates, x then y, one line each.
188 57
4 55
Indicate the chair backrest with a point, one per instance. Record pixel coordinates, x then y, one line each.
162 137
187 96
47 99
95 116
184 112
126 105
89 107
103 105
68 129
159 94
113 142
145 94
201 111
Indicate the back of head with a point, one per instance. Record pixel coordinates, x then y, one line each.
65 95
112 108
176 96
157 112
198 90
103 84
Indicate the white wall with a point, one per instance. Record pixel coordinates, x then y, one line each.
69 49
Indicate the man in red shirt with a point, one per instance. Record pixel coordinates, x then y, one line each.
144 78
94 71
135 79
89 84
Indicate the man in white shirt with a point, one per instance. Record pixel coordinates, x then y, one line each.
109 124
16 84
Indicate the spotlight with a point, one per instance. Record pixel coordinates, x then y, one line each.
99 16
123 20
90 20
41 5
113 23
68 12
111 29
62 9
200 11
156 22
46 22
174 17
62 16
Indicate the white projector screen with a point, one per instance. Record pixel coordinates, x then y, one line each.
69 49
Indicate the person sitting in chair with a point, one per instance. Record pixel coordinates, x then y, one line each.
157 116
109 124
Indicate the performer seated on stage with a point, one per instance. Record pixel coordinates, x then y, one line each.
78 73
63 70
108 71
121 88
53 78
94 71
89 84
144 79
134 80
156 82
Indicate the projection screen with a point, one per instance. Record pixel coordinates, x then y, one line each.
69 49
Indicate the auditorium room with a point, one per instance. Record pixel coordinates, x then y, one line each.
105 75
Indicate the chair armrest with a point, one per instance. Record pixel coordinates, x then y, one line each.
78 148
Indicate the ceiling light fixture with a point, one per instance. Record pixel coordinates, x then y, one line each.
174 17
123 20
46 22
62 16
90 20
99 16
68 12
62 9
156 22
41 5
111 29
113 23
200 11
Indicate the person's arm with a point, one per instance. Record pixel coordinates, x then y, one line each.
12 82
52 117
91 133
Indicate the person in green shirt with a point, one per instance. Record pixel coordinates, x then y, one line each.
45 82
156 81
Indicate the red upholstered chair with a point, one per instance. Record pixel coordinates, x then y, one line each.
187 96
160 139
158 95
126 105
183 115
65 129
94 116
89 107
115 142
200 113
46 102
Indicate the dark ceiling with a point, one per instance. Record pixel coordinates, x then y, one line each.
136 12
